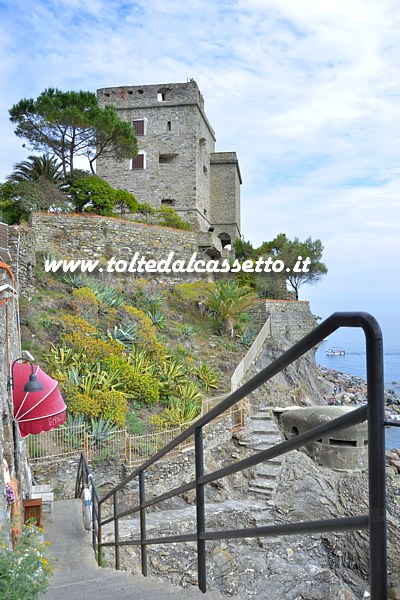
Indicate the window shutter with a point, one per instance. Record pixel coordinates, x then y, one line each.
138 162
139 126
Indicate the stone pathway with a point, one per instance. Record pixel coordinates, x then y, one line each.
77 576
265 434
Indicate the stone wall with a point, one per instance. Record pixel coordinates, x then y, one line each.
21 246
12 448
290 319
225 194
94 237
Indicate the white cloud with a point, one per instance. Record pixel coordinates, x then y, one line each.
305 91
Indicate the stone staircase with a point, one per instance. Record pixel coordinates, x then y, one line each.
264 434
76 574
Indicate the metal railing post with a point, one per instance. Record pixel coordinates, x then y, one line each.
94 535
376 462
142 497
200 510
99 534
116 531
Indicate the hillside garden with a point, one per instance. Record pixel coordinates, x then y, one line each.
139 356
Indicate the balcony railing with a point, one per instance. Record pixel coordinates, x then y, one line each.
373 412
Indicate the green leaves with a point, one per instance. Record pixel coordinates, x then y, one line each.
226 301
292 252
37 168
71 124
24 572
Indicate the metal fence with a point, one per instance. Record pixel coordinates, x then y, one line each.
133 449
57 443
72 441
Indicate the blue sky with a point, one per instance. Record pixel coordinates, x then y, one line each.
306 92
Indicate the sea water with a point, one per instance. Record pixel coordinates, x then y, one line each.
354 361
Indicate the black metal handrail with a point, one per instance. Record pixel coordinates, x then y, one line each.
374 412
84 479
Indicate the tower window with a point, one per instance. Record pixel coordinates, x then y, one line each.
139 162
139 126
160 96
168 201
166 159
169 125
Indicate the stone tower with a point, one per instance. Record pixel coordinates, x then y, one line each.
177 164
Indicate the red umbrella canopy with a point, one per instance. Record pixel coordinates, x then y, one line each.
36 411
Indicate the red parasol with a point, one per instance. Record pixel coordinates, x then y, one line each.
36 411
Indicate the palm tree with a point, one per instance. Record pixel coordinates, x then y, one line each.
37 168
227 301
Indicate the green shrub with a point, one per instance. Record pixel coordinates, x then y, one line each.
24 572
182 410
146 337
192 293
167 216
144 388
134 424
83 404
85 303
113 406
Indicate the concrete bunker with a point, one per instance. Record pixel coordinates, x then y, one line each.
345 449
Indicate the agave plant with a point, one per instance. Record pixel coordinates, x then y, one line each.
189 392
186 408
108 295
247 337
207 376
173 370
100 429
124 334
61 359
72 430
188 330
140 363
98 379
157 318
75 280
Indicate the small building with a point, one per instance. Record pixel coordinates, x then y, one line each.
177 164
345 449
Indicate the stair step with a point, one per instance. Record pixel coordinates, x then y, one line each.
269 435
264 426
262 416
275 463
270 467
269 476
266 440
263 484
267 494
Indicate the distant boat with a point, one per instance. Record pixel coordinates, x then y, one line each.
335 352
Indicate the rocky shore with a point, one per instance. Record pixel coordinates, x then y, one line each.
349 389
